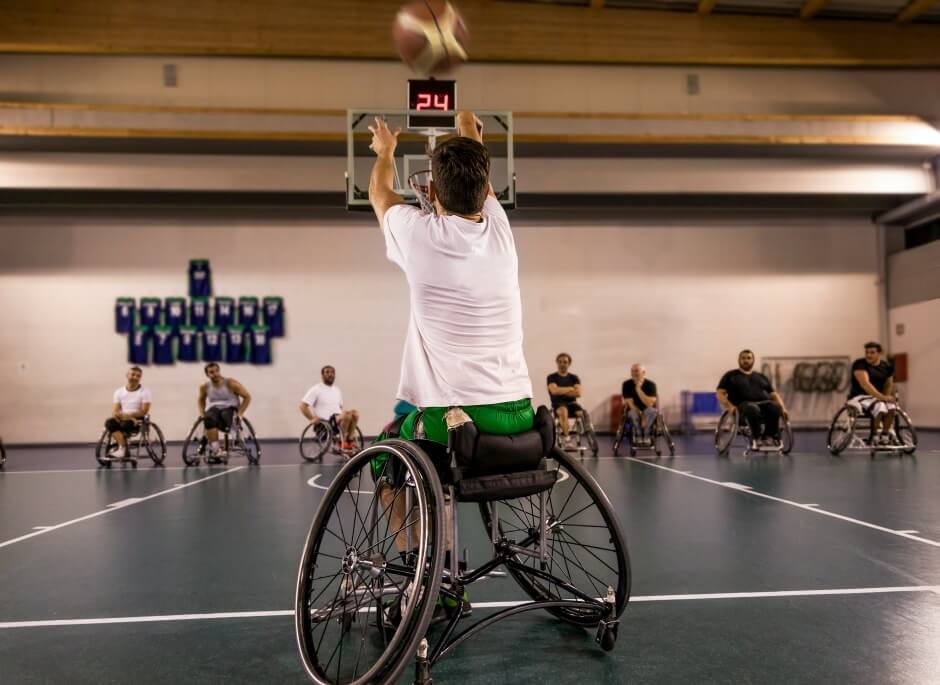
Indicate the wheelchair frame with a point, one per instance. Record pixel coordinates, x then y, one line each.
422 484
240 425
3 454
324 446
739 427
661 430
139 439
856 443
576 426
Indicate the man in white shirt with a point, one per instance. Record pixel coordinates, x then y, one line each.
325 401
464 341
131 402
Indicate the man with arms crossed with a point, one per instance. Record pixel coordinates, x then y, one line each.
564 390
130 404
750 392
325 401
464 342
639 401
872 391
219 400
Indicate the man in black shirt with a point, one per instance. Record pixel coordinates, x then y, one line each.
564 389
872 391
639 400
752 393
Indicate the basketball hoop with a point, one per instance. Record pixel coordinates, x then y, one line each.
420 183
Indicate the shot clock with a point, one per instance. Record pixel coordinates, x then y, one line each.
438 98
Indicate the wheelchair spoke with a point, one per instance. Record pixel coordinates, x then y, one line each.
587 549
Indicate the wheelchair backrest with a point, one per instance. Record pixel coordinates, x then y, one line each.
487 454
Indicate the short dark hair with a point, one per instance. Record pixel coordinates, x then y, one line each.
328 366
208 366
872 345
751 352
137 369
563 354
460 168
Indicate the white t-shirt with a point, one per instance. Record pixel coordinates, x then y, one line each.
464 341
131 401
325 400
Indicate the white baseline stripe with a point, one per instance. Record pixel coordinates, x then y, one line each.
745 490
12 625
113 507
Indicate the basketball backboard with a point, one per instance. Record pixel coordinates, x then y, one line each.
411 155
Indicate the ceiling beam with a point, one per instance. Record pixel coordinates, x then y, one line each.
811 8
914 9
706 6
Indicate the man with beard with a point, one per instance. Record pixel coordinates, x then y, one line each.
750 392
325 401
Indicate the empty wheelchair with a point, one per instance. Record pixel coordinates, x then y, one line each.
731 426
657 439
144 442
373 565
581 435
322 436
853 429
238 441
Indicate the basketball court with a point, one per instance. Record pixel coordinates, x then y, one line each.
703 237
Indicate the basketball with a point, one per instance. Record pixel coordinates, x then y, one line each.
431 36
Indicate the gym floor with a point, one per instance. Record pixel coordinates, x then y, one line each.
804 568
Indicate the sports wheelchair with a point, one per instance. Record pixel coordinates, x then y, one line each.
239 440
584 436
658 439
145 441
852 429
3 454
731 426
366 591
323 435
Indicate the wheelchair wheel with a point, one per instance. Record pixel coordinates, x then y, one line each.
725 433
245 442
3 454
104 447
195 444
592 441
786 437
361 607
662 441
586 545
905 432
619 437
152 439
315 440
841 430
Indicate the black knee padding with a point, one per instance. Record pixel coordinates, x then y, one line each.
210 423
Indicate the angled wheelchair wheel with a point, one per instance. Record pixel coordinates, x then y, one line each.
661 438
841 430
195 444
586 545
3 454
619 437
103 448
725 433
786 437
362 604
592 441
315 440
246 442
905 432
151 438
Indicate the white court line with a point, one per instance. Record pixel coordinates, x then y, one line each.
117 506
155 469
744 489
12 625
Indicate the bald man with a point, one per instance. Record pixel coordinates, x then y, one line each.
639 400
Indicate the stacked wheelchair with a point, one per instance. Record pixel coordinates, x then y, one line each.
854 430
144 442
322 436
657 440
367 587
238 441
733 425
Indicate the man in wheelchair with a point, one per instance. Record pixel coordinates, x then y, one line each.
325 401
871 393
130 403
752 396
220 399
564 390
640 401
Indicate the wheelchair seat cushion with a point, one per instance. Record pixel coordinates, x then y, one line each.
484 454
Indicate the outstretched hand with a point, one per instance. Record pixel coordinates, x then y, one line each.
384 141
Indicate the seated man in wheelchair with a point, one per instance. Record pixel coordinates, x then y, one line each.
752 396
220 399
640 402
325 401
871 393
564 390
131 403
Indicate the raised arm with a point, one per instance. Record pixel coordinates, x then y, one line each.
470 126
382 195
